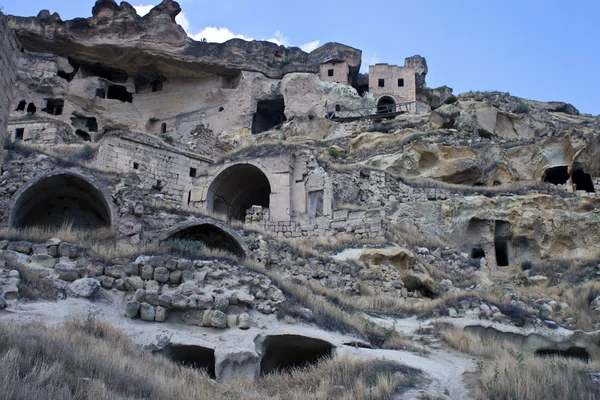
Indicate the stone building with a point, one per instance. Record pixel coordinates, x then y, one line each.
391 84
9 48
338 72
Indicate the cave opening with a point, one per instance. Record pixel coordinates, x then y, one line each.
31 109
196 357
502 238
119 92
386 105
577 353
83 135
21 106
282 353
54 106
269 114
557 175
477 253
581 180
60 199
237 189
98 69
210 236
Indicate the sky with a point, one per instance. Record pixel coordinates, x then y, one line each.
545 50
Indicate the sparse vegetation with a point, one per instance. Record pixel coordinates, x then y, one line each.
505 372
521 108
88 359
334 153
451 100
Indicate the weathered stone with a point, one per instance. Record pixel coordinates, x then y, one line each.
114 271
69 250
85 287
161 274
95 269
161 314
134 282
221 302
175 277
147 312
106 281
232 321
120 284
165 300
219 319
44 261
147 272
132 308
67 272
20 247
207 318
179 301
53 242
244 321
140 295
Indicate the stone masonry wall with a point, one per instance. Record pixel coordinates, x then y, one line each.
391 74
9 48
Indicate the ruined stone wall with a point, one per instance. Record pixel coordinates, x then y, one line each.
41 131
9 48
391 74
167 172
340 70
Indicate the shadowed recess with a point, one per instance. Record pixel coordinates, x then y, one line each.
285 352
238 188
197 357
211 236
61 199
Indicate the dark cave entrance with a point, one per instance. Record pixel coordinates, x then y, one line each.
577 353
581 180
211 236
502 237
557 175
386 105
83 135
282 353
237 189
61 199
54 106
118 92
269 114
193 357
21 106
477 253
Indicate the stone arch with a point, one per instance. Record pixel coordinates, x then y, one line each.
236 188
386 105
212 232
60 197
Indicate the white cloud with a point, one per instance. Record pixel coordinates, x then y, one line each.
143 10
217 35
310 46
222 34
368 60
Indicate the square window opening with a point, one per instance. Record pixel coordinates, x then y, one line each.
19 133
381 82
400 82
136 165
192 172
330 72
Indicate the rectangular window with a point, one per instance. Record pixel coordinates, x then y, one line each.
192 172
400 82
19 133
382 83
136 165
330 72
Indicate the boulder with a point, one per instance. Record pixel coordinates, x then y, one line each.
219 319
67 272
85 287
147 312
132 309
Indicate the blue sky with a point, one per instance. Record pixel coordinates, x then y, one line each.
537 49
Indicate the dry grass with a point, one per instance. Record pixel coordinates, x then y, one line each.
504 372
66 233
413 237
88 359
579 298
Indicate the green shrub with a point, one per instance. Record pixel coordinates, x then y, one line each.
521 108
451 100
334 153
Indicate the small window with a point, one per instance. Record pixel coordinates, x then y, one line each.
192 172
315 204
330 72
338 107
101 93
136 165
21 106
382 83
158 184
221 109
163 128
400 82
157 86
19 133
31 108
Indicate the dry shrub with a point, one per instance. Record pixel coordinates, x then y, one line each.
89 359
579 298
504 372
66 232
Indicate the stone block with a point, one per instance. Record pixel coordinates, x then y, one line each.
147 312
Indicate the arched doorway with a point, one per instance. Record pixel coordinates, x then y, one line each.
238 188
386 105
211 236
59 198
